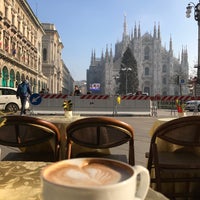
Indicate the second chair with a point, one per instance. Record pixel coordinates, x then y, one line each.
174 158
100 133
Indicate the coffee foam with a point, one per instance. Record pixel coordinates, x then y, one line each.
91 174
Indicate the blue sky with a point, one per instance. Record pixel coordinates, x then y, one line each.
84 25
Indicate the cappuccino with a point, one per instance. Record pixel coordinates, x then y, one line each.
90 173
94 179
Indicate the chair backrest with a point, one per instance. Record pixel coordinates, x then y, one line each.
24 131
100 133
184 131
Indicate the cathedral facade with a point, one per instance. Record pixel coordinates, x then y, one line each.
159 71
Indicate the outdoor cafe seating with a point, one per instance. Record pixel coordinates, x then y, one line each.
36 139
100 133
174 158
20 178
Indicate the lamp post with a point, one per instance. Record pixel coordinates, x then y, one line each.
126 69
197 18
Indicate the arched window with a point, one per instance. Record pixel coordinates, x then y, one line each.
5 76
12 78
164 69
164 93
18 77
34 86
39 85
164 81
22 77
147 90
31 81
146 71
44 54
146 53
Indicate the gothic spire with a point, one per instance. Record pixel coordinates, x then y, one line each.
135 31
170 46
139 33
154 32
92 58
106 54
159 31
102 55
125 27
94 55
111 52
170 43
131 34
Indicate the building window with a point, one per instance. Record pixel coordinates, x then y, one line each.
164 93
147 90
13 19
6 12
164 69
44 54
146 53
164 81
146 71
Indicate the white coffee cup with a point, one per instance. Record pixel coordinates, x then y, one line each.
94 179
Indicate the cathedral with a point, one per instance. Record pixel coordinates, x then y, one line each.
159 71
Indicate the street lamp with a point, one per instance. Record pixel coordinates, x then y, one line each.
126 69
197 18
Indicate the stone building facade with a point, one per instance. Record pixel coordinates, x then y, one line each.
20 45
51 54
31 50
159 71
59 77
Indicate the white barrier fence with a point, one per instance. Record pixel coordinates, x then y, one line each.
90 104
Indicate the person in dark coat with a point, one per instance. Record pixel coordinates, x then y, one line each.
23 91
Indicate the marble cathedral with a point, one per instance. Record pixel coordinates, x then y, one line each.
159 71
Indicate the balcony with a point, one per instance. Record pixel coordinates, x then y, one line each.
6 22
1 15
14 29
147 77
19 34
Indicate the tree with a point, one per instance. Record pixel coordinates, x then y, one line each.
128 80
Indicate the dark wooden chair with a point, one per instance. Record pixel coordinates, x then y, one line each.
36 139
174 158
100 133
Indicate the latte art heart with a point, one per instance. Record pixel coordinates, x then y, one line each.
89 175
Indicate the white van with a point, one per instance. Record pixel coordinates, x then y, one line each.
9 101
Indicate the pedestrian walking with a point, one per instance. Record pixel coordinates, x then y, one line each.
23 91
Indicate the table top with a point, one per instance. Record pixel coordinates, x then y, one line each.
59 118
21 181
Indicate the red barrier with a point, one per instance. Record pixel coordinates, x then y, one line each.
93 96
54 96
125 97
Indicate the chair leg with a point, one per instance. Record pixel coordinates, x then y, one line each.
69 147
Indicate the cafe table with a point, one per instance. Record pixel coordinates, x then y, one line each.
20 180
